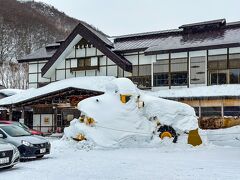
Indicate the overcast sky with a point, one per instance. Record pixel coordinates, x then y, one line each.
116 17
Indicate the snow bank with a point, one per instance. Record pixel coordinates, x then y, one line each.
224 137
89 83
119 124
204 91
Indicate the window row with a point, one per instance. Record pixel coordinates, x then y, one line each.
217 111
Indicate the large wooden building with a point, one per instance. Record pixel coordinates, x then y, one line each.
199 54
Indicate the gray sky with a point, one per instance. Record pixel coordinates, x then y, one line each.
116 17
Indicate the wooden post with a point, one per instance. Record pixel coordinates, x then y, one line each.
23 115
10 113
169 70
55 118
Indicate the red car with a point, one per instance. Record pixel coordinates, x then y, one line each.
32 131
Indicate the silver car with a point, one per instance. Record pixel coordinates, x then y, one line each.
9 155
29 146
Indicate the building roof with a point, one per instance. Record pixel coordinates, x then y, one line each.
40 54
85 83
213 22
226 35
94 37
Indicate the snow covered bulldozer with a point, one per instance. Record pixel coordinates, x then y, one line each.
125 116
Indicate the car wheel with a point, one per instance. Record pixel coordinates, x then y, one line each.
167 131
39 157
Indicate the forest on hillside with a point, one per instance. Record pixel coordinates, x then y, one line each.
24 27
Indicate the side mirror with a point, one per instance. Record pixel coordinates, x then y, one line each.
1 136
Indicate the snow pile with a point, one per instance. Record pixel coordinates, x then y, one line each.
97 83
224 137
204 91
11 92
118 124
178 115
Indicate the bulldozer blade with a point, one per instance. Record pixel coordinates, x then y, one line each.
194 138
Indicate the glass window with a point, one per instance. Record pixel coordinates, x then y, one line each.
217 62
214 78
179 71
234 76
222 78
234 60
179 65
145 70
15 131
179 79
160 79
231 111
160 72
218 77
84 62
210 111
197 70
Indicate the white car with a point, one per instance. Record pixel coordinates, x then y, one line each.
29 146
9 155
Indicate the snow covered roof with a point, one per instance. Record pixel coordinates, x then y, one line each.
10 92
88 83
197 92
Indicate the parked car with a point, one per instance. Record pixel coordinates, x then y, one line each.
32 131
29 145
9 154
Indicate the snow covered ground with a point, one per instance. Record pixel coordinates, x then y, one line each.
168 161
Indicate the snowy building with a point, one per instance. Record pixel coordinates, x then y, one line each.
199 54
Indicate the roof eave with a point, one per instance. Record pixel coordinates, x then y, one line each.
153 52
92 38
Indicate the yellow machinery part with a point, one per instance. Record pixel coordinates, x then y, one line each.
125 98
166 134
194 138
90 121
80 137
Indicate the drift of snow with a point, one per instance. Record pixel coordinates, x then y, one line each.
204 91
119 124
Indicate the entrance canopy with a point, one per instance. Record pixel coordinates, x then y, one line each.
57 92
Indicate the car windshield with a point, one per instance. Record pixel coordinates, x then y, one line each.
15 131
23 126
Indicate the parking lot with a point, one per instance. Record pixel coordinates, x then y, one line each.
174 161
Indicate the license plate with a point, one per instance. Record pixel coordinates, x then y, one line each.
43 150
4 160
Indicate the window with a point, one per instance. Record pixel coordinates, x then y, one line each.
179 78
234 60
160 79
211 111
143 80
179 72
160 72
231 110
84 62
234 75
218 77
197 70
217 62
